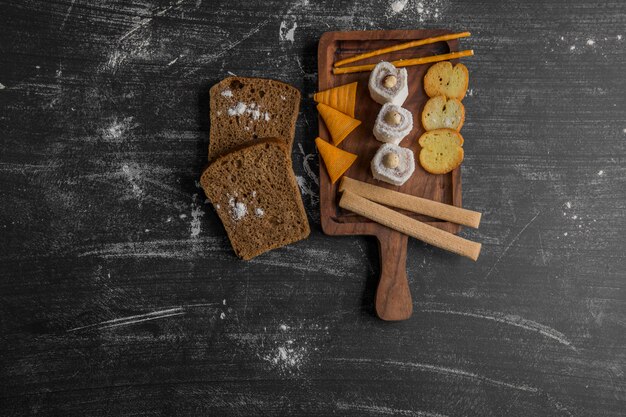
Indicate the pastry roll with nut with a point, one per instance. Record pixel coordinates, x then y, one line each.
392 124
388 84
393 164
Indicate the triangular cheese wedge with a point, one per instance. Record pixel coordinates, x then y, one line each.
342 98
339 125
336 160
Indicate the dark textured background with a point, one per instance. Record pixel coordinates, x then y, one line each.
120 295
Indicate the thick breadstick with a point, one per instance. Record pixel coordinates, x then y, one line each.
409 226
402 46
411 203
405 62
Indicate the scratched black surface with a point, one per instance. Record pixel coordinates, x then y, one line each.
119 294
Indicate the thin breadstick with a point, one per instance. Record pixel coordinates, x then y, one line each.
411 203
406 62
409 226
402 46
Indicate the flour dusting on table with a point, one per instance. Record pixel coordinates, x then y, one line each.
117 128
132 175
196 213
286 31
398 6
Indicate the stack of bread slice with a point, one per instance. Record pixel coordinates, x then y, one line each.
250 179
442 117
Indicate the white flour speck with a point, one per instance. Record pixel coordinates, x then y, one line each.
425 10
132 175
284 347
571 48
565 234
286 32
222 316
398 6
252 109
237 209
306 189
287 357
227 93
591 42
183 216
562 38
237 110
624 130
283 98
173 61
224 301
196 213
619 37
2 87
601 173
568 204
259 212
115 131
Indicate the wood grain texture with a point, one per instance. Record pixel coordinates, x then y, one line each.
334 46
393 298
119 293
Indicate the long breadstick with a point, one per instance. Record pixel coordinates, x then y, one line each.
402 46
406 62
411 203
409 226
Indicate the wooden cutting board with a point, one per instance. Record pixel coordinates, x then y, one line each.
393 297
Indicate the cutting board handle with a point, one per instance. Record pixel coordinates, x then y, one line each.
393 297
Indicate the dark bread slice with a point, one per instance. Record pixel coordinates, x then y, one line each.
253 177
245 109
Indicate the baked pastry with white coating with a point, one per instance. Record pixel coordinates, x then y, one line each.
388 84
392 124
393 164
